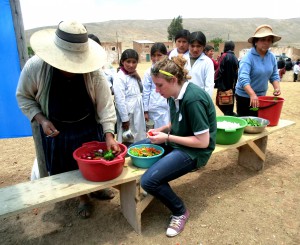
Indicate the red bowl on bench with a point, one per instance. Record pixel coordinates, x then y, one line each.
99 170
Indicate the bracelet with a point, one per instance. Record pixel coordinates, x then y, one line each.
167 140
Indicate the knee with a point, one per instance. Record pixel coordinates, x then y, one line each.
144 182
147 184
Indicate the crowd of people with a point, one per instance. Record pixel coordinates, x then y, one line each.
70 97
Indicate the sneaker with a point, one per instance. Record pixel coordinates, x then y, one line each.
177 224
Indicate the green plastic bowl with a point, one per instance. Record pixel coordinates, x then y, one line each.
145 162
229 136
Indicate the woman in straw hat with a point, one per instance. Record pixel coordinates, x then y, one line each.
257 67
64 94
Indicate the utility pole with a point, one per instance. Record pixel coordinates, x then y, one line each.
117 47
19 31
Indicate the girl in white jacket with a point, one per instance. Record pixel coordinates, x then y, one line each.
156 106
127 89
200 67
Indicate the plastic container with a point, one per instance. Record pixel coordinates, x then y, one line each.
270 108
145 162
229 136
149 125
99 170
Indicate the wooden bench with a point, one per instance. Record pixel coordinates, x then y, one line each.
25 196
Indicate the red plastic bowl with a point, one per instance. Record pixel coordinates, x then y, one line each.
99 170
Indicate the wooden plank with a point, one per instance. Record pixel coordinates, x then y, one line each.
129 197
52 189
24 196
252 137
19 31
145 201
249 158
257 150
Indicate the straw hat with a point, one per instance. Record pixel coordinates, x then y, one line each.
264 31
68 48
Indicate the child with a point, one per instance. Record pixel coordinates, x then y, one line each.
209 51
296 70
200 67
182 38
107 68
127 89
155 106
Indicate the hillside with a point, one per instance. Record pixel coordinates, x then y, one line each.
156 30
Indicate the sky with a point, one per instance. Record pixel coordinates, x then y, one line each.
39 13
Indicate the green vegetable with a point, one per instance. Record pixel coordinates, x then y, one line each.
253 122
108 155
97 154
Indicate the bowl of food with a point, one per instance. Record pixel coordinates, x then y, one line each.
96 163
255 125
229 129
145 155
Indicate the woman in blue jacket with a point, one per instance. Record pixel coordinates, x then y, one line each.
257 67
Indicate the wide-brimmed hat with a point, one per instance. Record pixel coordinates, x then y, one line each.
68 48
264 31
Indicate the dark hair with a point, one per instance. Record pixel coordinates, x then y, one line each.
255 39
199 37
95 38
160 47
208 47
183 33
128 54
173 66
229 45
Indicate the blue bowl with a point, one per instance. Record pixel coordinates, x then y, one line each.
145 162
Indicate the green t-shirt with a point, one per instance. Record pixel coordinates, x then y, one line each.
196 113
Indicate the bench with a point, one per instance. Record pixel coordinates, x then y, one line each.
49 190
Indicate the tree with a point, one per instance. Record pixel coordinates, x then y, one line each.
174 27
216 41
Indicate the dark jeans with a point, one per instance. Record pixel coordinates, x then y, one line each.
156 179
243 107
226 109
295 77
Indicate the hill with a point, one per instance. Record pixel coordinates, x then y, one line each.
156 30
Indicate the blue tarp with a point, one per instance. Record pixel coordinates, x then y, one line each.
12 122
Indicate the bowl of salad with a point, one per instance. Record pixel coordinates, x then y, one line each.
96 163
255 125
145 155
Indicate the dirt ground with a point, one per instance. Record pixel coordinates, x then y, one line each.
228 204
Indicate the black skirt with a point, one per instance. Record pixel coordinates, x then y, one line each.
59 150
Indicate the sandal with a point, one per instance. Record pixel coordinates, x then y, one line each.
84 210
105 194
